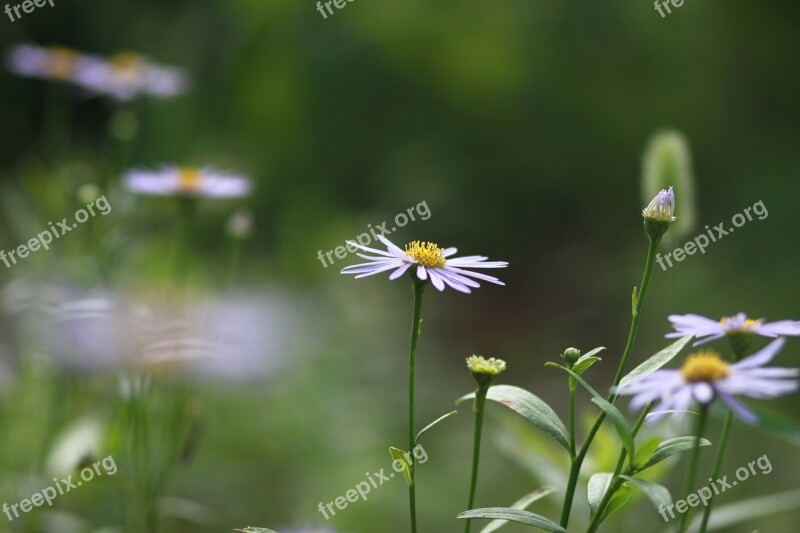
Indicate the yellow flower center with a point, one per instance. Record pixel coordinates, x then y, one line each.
704 366
747 327
127 62
189 179
426 254
61 62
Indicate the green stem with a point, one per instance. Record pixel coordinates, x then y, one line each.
616 481
480 401
416 323
572 419
637 308
723 441
688 486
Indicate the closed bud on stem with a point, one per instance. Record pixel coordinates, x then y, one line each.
485 370
571 356
659 214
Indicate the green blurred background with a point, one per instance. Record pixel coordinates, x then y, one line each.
521 124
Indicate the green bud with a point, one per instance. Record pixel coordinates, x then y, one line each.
571 356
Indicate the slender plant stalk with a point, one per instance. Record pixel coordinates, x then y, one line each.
738 351
480 401
616 481
637 308
572 446
416 323
692 472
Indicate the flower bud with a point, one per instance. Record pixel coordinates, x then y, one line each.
485 370
667 161
658 214
571 356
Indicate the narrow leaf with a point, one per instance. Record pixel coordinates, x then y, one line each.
619 499
598 485
620 423
731 514
658 494
534 409
515 515
522 504
672 446
404 458
656 361
255 530
429 426
645 451
584 363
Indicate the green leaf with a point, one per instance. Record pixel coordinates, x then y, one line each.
598 485
658 494
656 361
619 499
403 457
534 409
725 516
644 452
521 504
514 515
620 423
672 446
587 360
255 530
429 426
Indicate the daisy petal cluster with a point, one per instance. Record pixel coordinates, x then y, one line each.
122 77
187 181
426 261
705 376
128 75
707 329
661 207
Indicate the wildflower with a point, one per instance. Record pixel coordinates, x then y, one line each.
707 329
658 215
187 181
55 62
428 261
705 376
479 365
128 75
668 161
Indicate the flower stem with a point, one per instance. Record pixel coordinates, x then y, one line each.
637 308
416 323
616 481
572 419
723 441
480 401
692 472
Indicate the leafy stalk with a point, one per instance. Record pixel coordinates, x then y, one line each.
637 308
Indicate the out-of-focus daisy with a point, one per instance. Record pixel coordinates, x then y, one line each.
187 181
707 329
705 376
428 261
128 75
55 62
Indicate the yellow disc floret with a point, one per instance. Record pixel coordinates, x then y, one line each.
481 365
426 254
189 179
127 62
705 366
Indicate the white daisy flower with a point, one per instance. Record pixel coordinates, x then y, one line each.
705 376
55 62
187 181
427 261
128 75
707 329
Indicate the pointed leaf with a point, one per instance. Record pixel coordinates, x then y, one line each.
658 494
429 426
534 409
598 485
586 360
515 515
403 457
619 499
725 516
655 362
620 423
522 504
672 446
645 451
